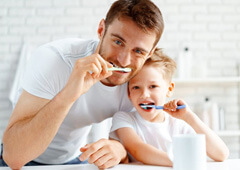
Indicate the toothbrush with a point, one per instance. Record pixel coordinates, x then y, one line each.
120 69
161 107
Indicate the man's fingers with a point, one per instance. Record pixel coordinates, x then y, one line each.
103 153
84 148
100 68
108 164
92 148
102 160
104 64
96 156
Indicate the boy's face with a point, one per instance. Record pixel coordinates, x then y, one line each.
149 87
124 44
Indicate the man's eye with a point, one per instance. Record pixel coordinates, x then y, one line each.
138 51
118 42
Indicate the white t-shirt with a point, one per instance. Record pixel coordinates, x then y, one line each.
47 73
158 135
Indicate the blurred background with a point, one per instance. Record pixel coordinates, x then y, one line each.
203 36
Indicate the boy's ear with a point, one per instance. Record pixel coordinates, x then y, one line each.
101 29
170 89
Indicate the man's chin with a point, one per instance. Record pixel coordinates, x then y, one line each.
111 81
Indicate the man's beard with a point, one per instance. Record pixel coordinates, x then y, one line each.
107 81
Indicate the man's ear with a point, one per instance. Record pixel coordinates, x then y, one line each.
170 89
128 92
101 29
152 51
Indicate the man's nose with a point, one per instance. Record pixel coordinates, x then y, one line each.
124 59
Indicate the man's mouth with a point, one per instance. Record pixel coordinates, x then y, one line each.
120 69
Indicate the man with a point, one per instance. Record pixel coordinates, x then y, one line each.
68 86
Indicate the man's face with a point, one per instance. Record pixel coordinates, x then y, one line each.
124 44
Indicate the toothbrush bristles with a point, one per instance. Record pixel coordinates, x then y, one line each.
120 69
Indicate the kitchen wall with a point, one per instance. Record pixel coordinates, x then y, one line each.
211 30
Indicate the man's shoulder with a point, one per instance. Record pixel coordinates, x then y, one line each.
73 46
126 115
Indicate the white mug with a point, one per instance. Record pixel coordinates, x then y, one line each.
189 152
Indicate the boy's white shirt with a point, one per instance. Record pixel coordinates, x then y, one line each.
158 135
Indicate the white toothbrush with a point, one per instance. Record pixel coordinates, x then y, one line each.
160 107
120 69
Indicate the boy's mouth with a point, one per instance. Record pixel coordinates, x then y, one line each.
144 105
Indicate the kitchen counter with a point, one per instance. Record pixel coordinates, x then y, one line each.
230 164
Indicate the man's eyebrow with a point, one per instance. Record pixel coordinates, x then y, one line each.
121 38
118 36
141 49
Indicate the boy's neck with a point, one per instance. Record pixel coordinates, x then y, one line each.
160 118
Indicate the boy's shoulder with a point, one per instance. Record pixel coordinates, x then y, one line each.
179 126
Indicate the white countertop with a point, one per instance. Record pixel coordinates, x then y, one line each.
230 164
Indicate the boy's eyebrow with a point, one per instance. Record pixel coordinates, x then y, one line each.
121 38
132 84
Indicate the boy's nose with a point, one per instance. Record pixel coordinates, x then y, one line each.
145 94
124 59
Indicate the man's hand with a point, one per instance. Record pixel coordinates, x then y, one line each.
104 153
86 72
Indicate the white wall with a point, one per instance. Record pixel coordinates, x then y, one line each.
210 28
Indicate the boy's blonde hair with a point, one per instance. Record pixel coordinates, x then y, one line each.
165 64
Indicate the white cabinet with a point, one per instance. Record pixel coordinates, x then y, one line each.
221 81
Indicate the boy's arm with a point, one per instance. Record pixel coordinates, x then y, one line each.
216 148
141 151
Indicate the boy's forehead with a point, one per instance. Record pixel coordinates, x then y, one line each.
148 72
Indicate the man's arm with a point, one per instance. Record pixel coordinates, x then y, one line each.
32 126
35 121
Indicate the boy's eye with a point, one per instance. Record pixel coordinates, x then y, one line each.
135 87
118 42
153 86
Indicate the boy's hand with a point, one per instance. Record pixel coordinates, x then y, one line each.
171 108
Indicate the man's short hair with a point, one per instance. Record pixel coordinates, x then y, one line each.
143 12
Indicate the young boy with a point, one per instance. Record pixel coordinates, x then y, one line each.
147 132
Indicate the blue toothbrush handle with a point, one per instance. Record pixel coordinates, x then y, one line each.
179 107
158 107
